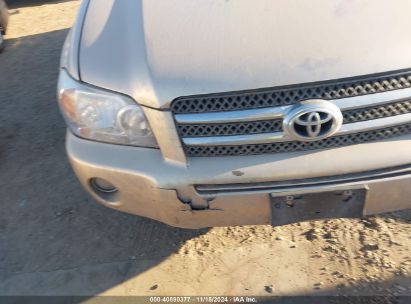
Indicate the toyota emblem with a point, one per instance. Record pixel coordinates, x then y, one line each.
312 120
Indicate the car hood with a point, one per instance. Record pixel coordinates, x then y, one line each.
155 50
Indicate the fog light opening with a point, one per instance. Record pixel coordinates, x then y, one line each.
103 186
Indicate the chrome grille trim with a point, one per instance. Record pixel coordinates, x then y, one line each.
279 112
293 146
266 138
232 116
374 124
291 94
276 125
251 139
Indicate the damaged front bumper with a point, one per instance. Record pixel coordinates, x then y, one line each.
245 191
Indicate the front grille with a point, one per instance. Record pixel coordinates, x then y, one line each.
375 112
292 146
245 123
280 96
230 128
267 126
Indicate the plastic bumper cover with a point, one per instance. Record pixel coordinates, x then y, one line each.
145 187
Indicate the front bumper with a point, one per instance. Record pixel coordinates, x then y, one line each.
152 187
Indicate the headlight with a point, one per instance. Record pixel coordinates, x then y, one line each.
100 115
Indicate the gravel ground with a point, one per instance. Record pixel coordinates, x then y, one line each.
54 240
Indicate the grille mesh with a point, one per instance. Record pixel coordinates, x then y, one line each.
376 112
279 96
331 142
230 128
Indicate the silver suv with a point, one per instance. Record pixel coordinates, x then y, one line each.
214 113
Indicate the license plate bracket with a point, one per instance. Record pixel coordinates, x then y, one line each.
311 205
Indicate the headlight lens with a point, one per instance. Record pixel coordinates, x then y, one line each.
103 116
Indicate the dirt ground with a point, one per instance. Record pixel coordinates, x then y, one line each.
54 240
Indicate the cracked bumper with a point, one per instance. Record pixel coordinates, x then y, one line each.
151 187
